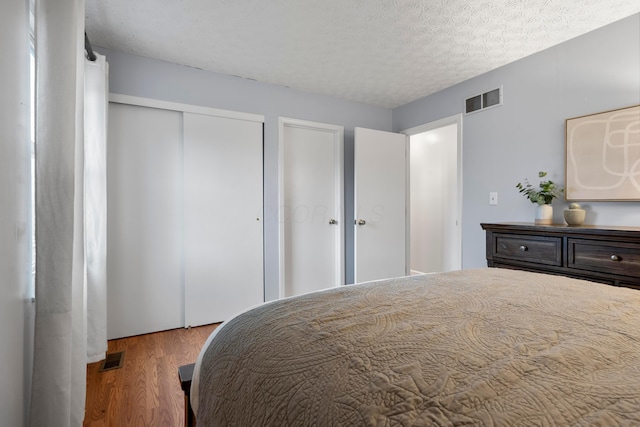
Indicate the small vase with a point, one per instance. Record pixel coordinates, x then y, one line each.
574 216
544 214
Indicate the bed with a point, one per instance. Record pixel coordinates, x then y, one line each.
485 347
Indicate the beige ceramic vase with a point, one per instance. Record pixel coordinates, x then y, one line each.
574 215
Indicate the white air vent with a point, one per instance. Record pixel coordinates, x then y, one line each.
492 98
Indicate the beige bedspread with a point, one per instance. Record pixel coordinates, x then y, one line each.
483 347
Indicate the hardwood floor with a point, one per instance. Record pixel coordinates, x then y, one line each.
146 390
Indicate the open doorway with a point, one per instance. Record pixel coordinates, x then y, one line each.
435 195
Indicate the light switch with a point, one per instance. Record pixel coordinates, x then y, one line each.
493 198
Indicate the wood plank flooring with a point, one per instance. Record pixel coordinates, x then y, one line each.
146 390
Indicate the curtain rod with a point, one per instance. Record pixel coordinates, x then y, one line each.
87 47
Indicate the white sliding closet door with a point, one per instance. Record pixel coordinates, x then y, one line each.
223 224
143 220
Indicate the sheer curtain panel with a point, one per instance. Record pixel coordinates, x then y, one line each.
96 102
60 347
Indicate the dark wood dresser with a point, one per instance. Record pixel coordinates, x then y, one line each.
598 253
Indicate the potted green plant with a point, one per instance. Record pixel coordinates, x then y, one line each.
541 196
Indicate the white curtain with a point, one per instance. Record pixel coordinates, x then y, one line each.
96 102
60 345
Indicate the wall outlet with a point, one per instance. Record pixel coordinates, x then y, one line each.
493 198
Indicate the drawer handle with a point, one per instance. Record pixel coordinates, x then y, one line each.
615 257
523 248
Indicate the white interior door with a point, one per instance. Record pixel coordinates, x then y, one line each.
223 231
143 220
311 211
380 205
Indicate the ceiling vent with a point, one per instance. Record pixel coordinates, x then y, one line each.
480 102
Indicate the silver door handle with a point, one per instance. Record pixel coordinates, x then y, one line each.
360 222
333 221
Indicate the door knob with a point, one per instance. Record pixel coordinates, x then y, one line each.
361 222
333 221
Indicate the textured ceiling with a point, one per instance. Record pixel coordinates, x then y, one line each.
379 52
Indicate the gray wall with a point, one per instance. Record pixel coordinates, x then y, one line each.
596 72
138 76
502 146
16 310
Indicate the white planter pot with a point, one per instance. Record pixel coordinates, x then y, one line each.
544 214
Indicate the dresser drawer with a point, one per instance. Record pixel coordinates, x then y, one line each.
617 258
541 250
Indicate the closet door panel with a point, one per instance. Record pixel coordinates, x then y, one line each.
223 231
143 220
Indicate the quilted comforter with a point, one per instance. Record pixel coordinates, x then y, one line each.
486 347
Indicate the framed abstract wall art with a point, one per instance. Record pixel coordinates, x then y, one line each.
603 156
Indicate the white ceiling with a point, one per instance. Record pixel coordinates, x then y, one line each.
379 52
